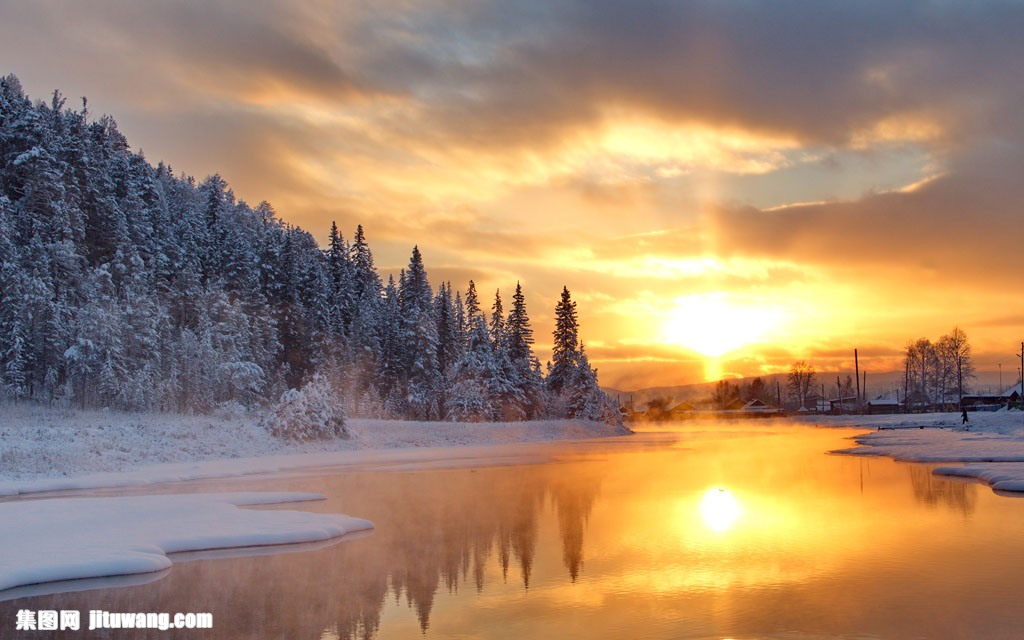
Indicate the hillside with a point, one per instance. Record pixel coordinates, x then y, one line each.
125 286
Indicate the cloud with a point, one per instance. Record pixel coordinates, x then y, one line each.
637 152
954 226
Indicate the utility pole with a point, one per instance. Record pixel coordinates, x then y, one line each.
839 389
906 384
856 373
1021 356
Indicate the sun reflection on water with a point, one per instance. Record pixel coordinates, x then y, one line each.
719 509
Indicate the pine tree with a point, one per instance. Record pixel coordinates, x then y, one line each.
497 325
565 350
519 331
391 379
470 397
366 284
340 299
526 376
584 398
420 340
472 304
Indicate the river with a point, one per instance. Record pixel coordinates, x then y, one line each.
697 530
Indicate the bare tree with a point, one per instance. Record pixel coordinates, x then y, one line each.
801 378
935 369
919 361
724 394
847 388
959 352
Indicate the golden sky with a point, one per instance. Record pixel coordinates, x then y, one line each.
755 182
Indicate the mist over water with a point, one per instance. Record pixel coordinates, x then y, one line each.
706 531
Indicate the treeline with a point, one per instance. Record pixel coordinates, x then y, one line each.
726 393
123 285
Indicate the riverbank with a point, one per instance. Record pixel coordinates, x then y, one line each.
43 449
990 448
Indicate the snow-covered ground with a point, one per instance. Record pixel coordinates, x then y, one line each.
990 448
44 450
75 538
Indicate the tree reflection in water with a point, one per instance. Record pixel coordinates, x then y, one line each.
957 495
434 530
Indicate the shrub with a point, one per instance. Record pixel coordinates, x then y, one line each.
309 413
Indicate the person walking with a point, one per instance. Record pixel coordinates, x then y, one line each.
966 421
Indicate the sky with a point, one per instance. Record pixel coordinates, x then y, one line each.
725 187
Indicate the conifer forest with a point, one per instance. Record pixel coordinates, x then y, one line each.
124 285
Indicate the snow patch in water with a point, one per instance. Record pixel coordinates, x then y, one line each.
133 535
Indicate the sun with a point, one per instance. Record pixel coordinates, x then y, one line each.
714 324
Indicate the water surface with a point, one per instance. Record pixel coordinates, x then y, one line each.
742 530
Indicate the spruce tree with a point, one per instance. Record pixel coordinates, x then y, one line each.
526 369
565 350
366 284
469 399
519 331
472 304
497 325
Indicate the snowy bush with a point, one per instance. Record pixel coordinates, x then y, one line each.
309 413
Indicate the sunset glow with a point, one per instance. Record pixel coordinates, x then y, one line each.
718 204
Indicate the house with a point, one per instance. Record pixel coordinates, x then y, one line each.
757 406
843 404
992 401
681 411
885 403
734 405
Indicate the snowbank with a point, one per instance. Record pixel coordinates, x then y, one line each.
49 450
131 535
992 450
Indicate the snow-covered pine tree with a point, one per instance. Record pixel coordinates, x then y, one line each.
565 350
520 353
472 305
420 340
450 343
340 298
469 399
584 398
366 283
497 324
391 376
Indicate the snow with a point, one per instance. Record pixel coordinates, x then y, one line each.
51 450
74 538
990 450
